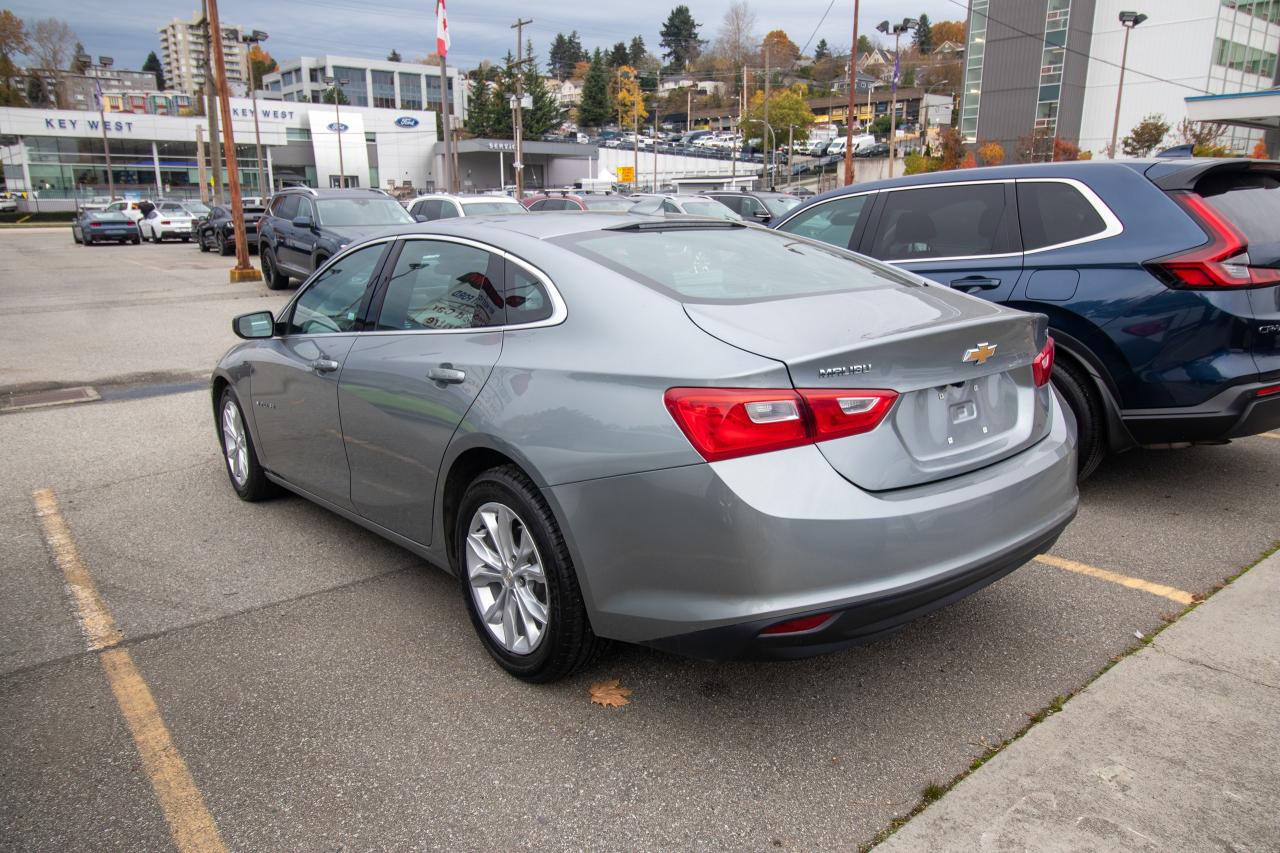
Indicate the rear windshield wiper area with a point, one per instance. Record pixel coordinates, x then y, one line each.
691 224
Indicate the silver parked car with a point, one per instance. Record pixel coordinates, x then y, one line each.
700 435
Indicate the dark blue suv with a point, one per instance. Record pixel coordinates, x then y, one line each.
1160 279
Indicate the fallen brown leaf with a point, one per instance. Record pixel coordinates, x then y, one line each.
610 694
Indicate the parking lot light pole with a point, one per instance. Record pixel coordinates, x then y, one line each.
254 38
1128 20
243 270
897 30
334 83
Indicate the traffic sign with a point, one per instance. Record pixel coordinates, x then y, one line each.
626 174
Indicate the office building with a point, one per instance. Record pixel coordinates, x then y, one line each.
1051 68
366 83
182 54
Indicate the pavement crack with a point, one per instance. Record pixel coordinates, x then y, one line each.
138 639
1210 666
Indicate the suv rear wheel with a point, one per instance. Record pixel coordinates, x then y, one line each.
1078 392
275 279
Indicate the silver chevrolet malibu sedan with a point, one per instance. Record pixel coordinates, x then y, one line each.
699 435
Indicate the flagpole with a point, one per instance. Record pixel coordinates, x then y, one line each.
442 48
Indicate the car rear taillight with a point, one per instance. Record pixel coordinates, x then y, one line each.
1268 391
95 224
724 423
1222 262
1042 365
165 222
796 626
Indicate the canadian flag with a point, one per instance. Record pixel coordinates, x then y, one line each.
442 30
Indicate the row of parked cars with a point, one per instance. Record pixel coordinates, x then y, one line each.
727 440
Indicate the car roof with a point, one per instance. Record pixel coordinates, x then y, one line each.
463 197
544 226
333 192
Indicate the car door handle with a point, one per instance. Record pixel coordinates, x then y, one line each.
975 282
447 374
324 365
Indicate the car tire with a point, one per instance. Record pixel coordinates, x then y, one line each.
137 241
186 238
225 248
204 244
239 455
271 273
1083 399
75 236
565 642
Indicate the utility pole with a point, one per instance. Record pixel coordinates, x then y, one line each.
1128 20
853 87
243 270
521 60
768 175
254 38
204 176
655 142
335 85
215 146
688 111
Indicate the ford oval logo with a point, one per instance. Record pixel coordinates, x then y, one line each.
406 121
338 127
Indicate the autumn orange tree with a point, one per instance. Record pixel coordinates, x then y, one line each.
991 153
782 50
1259 151
260 63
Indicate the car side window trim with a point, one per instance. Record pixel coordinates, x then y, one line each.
1113 226
559 311
286 314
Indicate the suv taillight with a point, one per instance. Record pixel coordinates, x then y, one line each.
724 423
1222 262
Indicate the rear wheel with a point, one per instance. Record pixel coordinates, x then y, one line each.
275 279
225 247
518 580
1078 392
204 243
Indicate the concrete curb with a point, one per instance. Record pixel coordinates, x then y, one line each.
1174 748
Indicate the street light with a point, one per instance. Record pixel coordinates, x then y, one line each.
1128 20
897 30
337 98
87 60
253 38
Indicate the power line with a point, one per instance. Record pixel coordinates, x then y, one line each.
1040 38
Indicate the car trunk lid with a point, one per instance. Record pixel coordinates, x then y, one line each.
961 367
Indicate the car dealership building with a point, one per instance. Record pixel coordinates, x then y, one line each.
59 154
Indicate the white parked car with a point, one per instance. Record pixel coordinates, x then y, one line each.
168 219
131 209
648 204
8 204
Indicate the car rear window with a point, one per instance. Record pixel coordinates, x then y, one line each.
109 216
1052 213
1249 200
727 263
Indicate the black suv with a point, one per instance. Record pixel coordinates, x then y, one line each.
762 207
303 228
217 231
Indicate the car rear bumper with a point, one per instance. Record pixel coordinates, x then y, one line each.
1236 412
699 559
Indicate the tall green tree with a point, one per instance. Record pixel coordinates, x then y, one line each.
566 52
37 92
153 65
335 95
481 103
545 115
1146 136
924 35
637 52
865 45
680 42
79 59
821 52
594 109
393 56
619 56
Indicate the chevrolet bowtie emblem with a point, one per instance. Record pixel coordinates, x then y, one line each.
980 353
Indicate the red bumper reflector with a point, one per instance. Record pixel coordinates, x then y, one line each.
1268 391
795 626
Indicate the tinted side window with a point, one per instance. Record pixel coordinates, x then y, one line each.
669 207
332 302
833 222
441 285
527 300
1052 213
286 207
449 210
941 222
541 204
733 202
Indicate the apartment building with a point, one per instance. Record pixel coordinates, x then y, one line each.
182 53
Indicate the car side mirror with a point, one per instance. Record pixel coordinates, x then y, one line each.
763 215
420 217
302 222
255 326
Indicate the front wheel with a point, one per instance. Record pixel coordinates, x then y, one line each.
1086 405
204 244
225 247
275 279
247 476
518 580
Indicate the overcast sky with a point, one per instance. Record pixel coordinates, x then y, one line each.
126 29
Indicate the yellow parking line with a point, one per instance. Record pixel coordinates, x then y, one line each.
190 824
1159 589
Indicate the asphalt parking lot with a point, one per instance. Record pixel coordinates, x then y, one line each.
324 688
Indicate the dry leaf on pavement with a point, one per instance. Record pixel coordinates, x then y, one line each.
610 694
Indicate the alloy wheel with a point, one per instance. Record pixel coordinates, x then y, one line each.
506 578
234 443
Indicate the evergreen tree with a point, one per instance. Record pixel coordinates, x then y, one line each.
393 56
924 35
557 58
637 53
865 45
619 56
37 92
594 110
544 116
480 105
680 39
821 52
78 65
153 65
